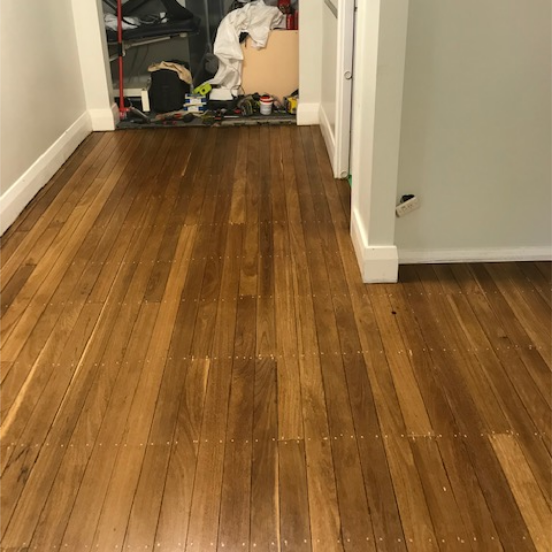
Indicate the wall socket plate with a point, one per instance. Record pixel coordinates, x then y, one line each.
407 206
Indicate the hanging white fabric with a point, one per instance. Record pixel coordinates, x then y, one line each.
257 19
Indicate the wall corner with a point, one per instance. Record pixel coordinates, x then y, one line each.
378 264
377 110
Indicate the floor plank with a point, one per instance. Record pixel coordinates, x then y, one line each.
534 508
264 523
294 518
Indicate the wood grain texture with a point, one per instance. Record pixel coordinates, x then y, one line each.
294 518
190 361
534 509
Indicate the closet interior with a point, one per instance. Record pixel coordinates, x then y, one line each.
203 62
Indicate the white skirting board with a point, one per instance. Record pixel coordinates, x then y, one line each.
329 138
498 254
104 119
308 114
19 195
378 264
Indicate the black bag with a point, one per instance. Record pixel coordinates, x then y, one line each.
173 8
167 91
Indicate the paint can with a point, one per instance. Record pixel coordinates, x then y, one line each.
266 105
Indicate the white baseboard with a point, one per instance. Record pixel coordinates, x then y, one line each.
329 137
414 256
116 113
308 114
378 264
104 119
18 196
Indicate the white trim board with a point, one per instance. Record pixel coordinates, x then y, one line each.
116 114
20 194
329 138
308 114
498 254
344 88
104 119
378 264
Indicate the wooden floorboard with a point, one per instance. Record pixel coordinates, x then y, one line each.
190 361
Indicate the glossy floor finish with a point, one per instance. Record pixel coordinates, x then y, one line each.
191 362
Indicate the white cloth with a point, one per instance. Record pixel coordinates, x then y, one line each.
256 19
128 22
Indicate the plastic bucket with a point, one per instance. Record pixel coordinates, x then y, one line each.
266 105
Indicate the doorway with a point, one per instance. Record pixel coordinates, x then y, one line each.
218 62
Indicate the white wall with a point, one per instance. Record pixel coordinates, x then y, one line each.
475 142
42 105
310 61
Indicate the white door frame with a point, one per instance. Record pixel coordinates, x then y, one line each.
336 125
344 83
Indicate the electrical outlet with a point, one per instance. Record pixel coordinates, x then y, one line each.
407 206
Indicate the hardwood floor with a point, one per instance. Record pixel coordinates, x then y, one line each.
191 362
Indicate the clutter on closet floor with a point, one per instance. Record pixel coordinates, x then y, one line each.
250 75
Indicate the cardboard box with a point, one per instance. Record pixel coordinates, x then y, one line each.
273 70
